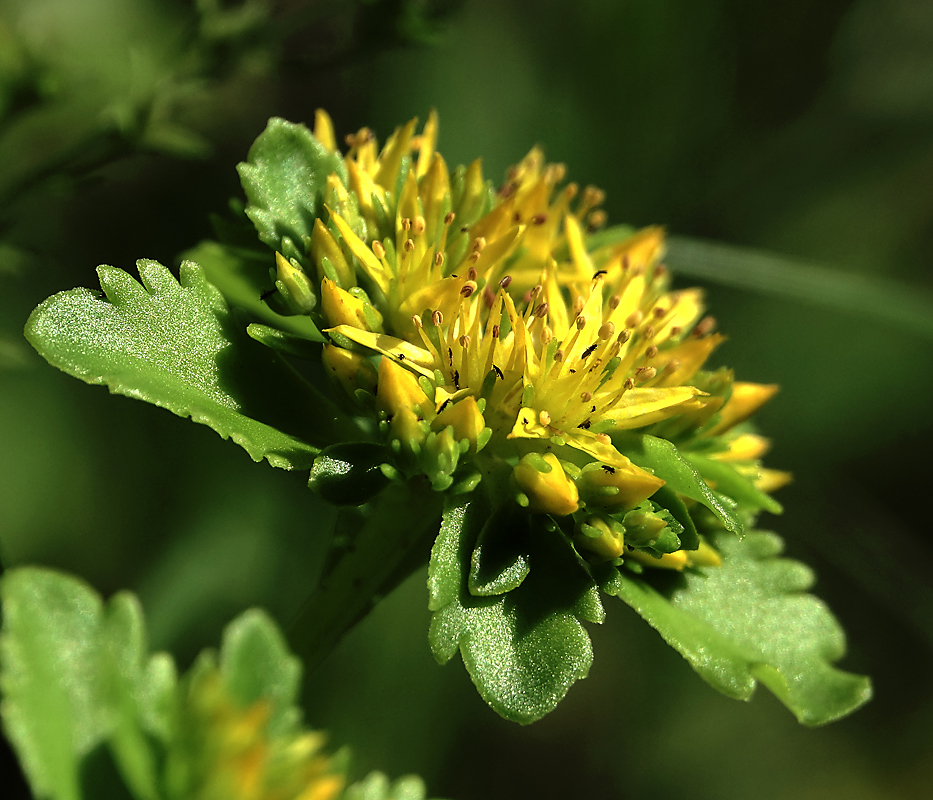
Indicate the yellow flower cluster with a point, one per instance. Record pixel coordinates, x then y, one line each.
506 326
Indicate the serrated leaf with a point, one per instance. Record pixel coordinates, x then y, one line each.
523 649
500 561
257 664
749 621
284 178
175 345
665 461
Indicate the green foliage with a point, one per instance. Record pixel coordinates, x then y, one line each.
749 620
76 675
284 179
523 648
175 345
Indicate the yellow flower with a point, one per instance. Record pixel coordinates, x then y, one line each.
510 324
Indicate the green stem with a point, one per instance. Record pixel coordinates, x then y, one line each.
392 537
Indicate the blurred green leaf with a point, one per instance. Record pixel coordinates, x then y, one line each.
256 663
749 620
909 308
726 480
172 345
377 786
284 179
75 674
523 649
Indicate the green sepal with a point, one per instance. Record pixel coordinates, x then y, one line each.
665 461
667 498
350 474
286 343
523 649
176 345
284 178
732 483
376 786
749 620
243 279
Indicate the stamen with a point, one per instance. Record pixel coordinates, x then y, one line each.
539 219
651 352
634 319
416 321
438 259
705 326
468 288
586 396
645 373
541 310
479 243
378 250
606 330
614 302
406 224
495 331
437 318
624 336
449 217
504 283
409 245
580 323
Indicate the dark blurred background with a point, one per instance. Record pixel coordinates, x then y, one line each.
803 129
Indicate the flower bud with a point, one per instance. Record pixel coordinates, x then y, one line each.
642 528
602 537
294 285
467 422
351 370
340 307
323 245
615 487
543 481
398 390
677 560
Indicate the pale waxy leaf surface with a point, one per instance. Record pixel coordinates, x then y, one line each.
176 345
751 620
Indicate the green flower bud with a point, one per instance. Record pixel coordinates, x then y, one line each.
548 490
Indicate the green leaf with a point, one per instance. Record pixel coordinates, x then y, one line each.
523 649
906 307
500 561
733 484
256 664
750 620
75 674
665 461
284 179
243 280
175 345
376 786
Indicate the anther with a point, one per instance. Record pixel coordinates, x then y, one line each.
624 335
474 256
448 217
541 310
471 274
539 219
438 258
597 219
676 331
495 331
437 318
544 418
464 341
378 250
406 224
586 396
578 304
504 283
651 352
614 302
645 373
648 332
416 321
534 291
468 288
606 330
558 356
580 323
704 326
633 319
409 245
546 336
658 312
629 383
479 243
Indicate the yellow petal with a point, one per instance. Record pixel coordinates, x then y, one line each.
351 370
428 143
747 447
390 160
624 486
324 130
676 560
396 349
745 400
324 245
466 419
770 480
339 307
601 537
371 265
640 407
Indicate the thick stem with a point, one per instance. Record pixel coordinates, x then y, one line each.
393 539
